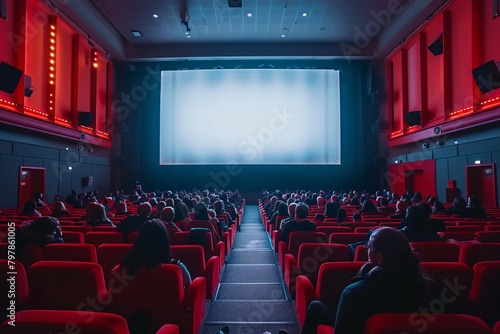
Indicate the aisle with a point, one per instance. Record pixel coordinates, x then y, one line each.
251 298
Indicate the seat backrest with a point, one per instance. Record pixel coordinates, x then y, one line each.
473 253
299 237
58 321
465 228
65 285
97 238
360 253
436 251
75 228
69 252
333 277
487 236
313 255
110 255
151 299
332 229
347 238
454 281
396 323
73 237
459 235
198 236
192 256
485 291
353 225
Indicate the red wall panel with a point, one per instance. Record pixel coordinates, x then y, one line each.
414 74
461 50
434 83
64 73
101 95
398 91
37 54
83 70
488 34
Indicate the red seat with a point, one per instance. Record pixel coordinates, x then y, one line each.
194 258
332 229
485 291
347 238
156 297
454 281
75 228
66 285
473 253
110 255
69 252
487 236
310 257
98 238
333 277
436 251
459 236
361 254
465 228
297 238
70 321
353 225
182 238
73 237
418 323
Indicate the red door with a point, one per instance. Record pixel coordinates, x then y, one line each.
414 181
31 181
481 183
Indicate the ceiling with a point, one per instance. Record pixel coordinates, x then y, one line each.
262 28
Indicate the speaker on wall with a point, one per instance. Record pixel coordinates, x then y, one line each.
87 181
436 47
85 118
413 118
9 77
487 76
234 3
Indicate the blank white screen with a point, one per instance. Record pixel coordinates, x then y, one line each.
250 116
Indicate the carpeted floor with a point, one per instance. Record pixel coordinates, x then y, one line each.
251 298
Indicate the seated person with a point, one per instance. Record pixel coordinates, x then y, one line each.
390 282
167 216
60 210
473 209
458 204
29 209
416 226
203 219
341 215
319 218
95 215
134 222
41 231
400 213
299 224
42 207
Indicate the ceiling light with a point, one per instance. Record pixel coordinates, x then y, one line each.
304 14
283 35
136 33
155 16
477 162
188 36
249 14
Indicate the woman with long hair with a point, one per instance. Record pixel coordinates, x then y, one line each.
390 282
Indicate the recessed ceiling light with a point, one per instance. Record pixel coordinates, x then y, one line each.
186 33
249 14
304 14
188 36
283 35
136 33
155 16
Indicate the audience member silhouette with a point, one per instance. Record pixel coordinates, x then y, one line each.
400 213
458 204
331 209
390 282
473 209
29 209
167 216
299 224
95 215
60 210
133 223
341 215
368 207
416 225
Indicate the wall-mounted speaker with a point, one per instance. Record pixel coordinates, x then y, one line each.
234 3
27 86
436 47
487 76
87 181
413 118
9 77
85 118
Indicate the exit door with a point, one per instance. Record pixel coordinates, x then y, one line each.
31 181
481 183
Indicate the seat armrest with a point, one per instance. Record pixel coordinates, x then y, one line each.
304 295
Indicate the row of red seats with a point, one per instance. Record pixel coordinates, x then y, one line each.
478 292
156 295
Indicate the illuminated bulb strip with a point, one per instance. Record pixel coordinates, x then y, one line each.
52 67
35 112
467 110
91 130
95 64
62 120
102 133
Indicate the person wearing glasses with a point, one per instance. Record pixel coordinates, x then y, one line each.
391 281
